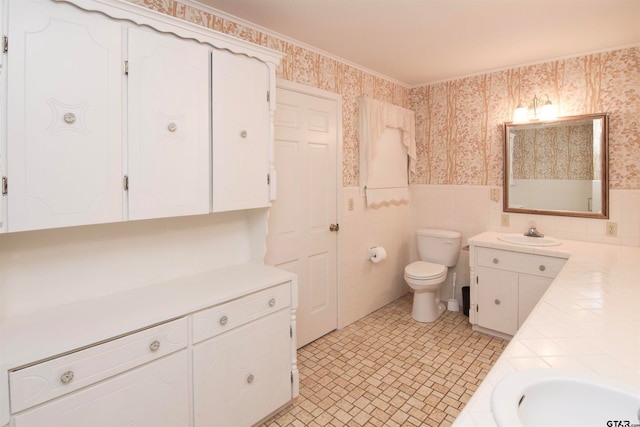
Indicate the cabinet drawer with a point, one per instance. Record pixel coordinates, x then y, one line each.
153 395
224 317
38 383
536 265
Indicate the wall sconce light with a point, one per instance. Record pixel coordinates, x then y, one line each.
537 110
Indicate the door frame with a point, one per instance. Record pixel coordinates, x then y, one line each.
337 98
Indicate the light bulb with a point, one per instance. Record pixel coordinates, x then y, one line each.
520 115
549 111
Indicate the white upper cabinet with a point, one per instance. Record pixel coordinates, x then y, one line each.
115 112
241 132
168 138
64 124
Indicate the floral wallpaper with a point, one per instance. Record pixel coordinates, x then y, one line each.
459 122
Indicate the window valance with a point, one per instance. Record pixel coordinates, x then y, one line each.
387 139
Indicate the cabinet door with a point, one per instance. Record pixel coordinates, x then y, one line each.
497 300
64 162
244 375
155 395
530 290
241 132
168 126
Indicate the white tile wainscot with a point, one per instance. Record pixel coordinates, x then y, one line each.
67 328
588 320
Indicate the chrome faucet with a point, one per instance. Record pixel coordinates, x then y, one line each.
533 233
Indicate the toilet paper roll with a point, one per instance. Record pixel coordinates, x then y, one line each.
377 254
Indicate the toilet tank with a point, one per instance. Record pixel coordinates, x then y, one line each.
438 246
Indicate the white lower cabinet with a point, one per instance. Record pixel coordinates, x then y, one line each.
154 395
230 364
506 286
241 376
530 290
497 302
140 379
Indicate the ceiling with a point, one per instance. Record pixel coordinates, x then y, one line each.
417 42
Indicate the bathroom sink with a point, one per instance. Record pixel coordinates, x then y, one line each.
555 397
519 239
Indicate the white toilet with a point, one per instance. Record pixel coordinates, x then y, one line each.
438 250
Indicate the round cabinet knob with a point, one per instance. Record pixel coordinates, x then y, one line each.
224 320
272 302
243 134
172 127
542 268
154 346
66 377
496 260
497 302
69 118
250 379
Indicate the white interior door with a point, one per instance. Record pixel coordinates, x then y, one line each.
299 238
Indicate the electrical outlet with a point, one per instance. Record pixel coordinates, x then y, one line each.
505 220
350 203
612 229
494 194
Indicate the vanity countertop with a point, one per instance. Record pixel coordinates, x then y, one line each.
588 320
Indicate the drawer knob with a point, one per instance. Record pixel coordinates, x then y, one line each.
272 302
154 346
172 127
66 377
250 379
542 268
243 134
69 118
497 301
224 320
496 260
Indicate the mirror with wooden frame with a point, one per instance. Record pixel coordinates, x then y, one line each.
558 167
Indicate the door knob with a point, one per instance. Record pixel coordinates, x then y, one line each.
334 227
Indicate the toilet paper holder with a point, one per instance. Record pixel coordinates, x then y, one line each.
377 254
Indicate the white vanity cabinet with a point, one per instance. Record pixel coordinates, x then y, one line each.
64 124
140 379
506 286
241 132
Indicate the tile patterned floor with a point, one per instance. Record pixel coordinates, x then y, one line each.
388 370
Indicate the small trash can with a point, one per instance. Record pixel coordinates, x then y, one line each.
465 300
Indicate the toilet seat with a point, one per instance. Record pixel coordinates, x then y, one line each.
423 270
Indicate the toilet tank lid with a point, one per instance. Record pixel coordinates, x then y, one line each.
435 232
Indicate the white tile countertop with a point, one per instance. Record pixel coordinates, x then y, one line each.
588 320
